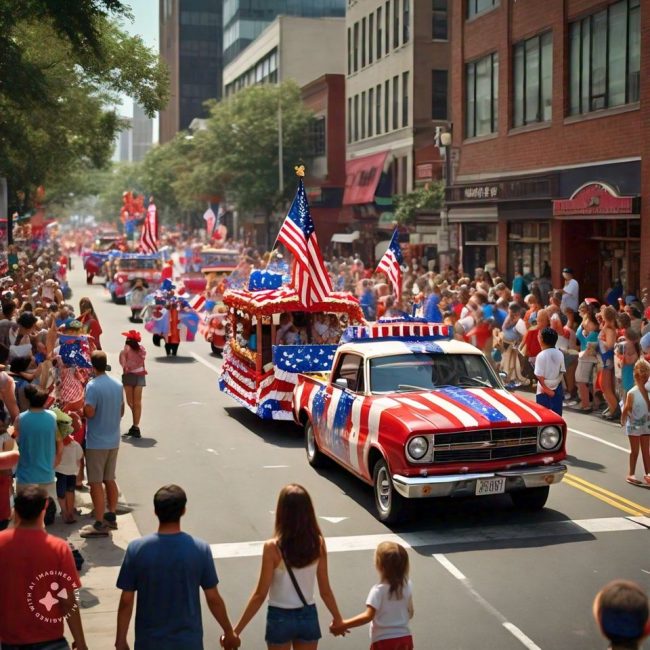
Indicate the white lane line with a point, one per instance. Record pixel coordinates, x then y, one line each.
597 439
274 466
212 451
452 568
207 364
486 534
518 634
334 520
526 641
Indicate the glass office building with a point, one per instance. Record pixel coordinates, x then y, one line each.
244 20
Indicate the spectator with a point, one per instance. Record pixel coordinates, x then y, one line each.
103 408
519 288
549 368
621 612
26 553
40 450
20 342
6 324
570 292
635 419
168 612
587 337
292 562
88 318
389 605
134 377
606 343
66 476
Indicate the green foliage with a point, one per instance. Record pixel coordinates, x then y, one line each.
429 197
64 66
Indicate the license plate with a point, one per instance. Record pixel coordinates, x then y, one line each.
490 486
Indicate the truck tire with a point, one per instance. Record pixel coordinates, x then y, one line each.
390 505
531 499
314 455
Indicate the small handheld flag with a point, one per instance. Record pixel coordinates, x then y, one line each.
391 265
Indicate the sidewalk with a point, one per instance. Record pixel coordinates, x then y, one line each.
98 595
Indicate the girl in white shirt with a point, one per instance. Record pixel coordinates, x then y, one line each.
389 606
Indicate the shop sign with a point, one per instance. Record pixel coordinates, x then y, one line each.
481 192
424 172
593 199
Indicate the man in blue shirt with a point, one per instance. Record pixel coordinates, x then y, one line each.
103 407
167 569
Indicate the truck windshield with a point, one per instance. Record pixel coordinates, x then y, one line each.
135 264
425 371
219 258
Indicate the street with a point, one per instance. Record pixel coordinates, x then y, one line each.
484 575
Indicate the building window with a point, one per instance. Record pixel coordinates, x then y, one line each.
371 109
439 94
529 247
356 117
371 37
356 47
406 21
387 25
605 58
533 80
363 114
475 7
349 51
482 78
378 109
349 119
363 43
395 102
317 136
386 105
405 99
439 20
379 33
395 23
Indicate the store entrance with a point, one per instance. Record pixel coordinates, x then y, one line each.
619 255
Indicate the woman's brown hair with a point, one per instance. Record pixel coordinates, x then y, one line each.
392 561
296 529
85 302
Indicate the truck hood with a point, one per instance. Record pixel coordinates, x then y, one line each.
451 408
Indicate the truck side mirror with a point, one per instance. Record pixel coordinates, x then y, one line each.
341 383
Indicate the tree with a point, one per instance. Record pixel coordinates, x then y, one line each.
60 78
237 154
429 197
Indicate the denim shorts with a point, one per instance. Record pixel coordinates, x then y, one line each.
285 625
65 483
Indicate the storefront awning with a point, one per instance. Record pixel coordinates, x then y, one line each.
345 237
473 215
361 178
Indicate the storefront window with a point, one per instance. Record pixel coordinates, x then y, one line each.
480 243
529 247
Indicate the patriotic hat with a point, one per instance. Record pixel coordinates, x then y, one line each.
133 335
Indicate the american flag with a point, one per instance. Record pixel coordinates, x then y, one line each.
148 241
309 276
390 265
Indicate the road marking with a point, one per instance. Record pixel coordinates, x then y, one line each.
212 451
274 466
491 609
190 404
611 498
457 537
334 520
597 439
207 364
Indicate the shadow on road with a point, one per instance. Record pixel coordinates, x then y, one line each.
584 464
139 442
174 360
279 433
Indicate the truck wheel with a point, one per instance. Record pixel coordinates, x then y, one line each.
390 505
314 456
530 499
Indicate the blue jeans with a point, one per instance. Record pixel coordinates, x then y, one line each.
554 403
285 625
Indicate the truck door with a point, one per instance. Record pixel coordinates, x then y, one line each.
337 426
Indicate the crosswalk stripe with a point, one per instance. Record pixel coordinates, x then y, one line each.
486 534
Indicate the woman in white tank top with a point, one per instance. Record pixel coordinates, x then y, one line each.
292 563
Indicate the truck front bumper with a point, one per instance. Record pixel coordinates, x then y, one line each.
464 485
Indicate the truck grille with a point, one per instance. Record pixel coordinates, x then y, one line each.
486 444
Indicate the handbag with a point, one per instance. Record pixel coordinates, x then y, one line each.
293 579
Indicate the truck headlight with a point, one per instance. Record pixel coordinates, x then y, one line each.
417 447
549 437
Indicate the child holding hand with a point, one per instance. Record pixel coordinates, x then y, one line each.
389 606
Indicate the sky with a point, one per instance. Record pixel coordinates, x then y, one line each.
145 25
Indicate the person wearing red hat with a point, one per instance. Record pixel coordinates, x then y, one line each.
133 377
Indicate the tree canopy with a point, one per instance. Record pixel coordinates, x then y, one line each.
62 71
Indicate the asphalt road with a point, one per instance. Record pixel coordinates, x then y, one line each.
484 575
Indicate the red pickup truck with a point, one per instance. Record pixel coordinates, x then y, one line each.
428 418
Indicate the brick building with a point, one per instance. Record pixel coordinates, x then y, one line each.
551 139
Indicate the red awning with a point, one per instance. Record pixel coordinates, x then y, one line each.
361 178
